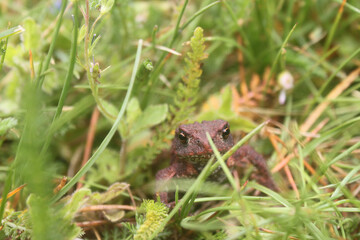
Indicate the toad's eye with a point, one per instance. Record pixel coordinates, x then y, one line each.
226 132
183 138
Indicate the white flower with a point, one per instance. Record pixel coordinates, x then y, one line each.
282 97
286 82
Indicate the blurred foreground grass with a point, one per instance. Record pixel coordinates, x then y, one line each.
112 84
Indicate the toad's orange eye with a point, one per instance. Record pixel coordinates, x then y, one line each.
226 132
183 138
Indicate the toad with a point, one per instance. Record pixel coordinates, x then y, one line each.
191 151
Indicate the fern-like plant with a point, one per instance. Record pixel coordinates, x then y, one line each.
189 87
156 212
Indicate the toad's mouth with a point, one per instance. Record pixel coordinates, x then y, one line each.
198 158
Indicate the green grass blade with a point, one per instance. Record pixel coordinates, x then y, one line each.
222 162
11 31
343 154
201 11
109 136
271 193
278 57
333 28
349 6
5 192
324 86
41 78
345 181
69 74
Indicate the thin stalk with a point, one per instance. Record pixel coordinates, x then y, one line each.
201 11
153 37
154 76
235 20
323 87
178 24
69 76
52 45
6 190
4 53
108 137
334 26
289 17
278 57
87 47
222 162
349 6
70 72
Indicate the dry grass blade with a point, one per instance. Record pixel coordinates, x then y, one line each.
331 96
106 207
13 192
89 141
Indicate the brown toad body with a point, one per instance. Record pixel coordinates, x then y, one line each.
191 150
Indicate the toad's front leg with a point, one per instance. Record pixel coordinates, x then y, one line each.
175 170
247 154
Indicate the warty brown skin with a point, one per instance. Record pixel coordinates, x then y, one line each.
191 150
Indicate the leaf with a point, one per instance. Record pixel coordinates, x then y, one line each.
6 124
153 115
94 4
106 6
113 191
106 169
110 108
75 202
82 33
226 106
32 34
12 31
133 110
114 216
60 217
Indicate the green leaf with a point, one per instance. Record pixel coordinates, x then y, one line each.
226 96
112 192
114 216
133 110
106 6
75 202
94 4
153 115
12 31
32 34
6 124
106 169
62 216
110 108
82 33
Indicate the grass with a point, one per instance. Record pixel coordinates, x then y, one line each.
54 77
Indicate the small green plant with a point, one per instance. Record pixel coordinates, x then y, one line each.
187 91
155 213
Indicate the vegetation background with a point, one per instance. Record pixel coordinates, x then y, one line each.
93 90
